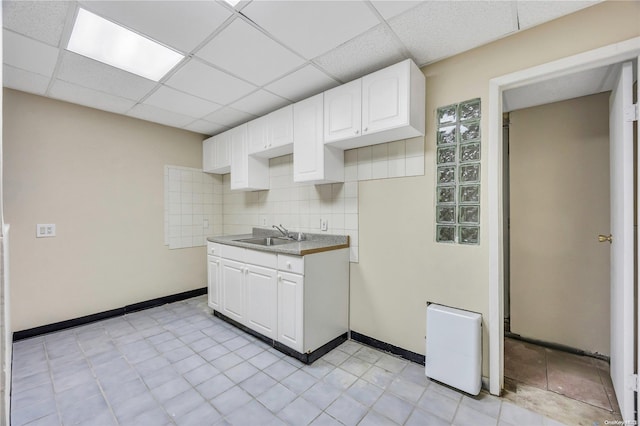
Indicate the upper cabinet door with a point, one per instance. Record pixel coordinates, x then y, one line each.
239 155
385 98
280 127
257 131
215 154
343 111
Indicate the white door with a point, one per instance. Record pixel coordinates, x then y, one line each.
622 242
262 300
308 147
290 310
232 295
343 112
280 127
385 102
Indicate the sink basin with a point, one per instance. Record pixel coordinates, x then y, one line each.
266 241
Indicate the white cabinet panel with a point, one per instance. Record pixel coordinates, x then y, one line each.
248 173
271 136
294 264
385 99
262 300
313 161
216 155
213 282
290 310
233 290
258 135
343 112
281 127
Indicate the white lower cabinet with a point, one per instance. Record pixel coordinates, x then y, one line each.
298 301
262 300
290 306
233 290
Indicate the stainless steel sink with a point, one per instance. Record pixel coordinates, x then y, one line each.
266 241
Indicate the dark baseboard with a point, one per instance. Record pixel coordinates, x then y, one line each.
75 322
557 346
387 347
307 358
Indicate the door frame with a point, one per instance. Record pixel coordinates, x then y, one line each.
607 55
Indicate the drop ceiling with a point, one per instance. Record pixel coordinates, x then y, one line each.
246 61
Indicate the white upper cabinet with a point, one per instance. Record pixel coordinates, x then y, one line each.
343 112
392 107
216 153
257 135
248 173
313 161
280 125
272 135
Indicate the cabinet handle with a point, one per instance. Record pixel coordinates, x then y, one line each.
279 277
365 129
289 265
357 131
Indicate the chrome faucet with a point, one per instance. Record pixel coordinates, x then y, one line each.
282 230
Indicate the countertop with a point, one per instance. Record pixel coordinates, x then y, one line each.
313 243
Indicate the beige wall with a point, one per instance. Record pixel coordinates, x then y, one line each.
401 267
559 168
99 177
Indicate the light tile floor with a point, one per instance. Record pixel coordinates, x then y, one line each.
178 365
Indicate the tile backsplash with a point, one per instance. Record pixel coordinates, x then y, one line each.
193 206
299 207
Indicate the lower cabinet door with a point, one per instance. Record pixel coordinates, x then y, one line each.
290 310
261 300
232 294
213 282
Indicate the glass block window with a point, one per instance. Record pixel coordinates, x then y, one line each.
458 173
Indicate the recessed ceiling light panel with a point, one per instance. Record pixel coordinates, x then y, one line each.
104 41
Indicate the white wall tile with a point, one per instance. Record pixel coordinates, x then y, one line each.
190 197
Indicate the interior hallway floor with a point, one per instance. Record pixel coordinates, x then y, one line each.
574 389
178 365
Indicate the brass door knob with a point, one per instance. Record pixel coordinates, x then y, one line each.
603 238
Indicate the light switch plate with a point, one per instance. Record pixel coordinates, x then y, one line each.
324 224
45 230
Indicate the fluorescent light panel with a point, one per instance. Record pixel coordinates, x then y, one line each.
109 43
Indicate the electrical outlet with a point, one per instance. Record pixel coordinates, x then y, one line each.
263 221
44 230
324 224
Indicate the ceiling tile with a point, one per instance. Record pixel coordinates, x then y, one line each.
205 127
14 78
229 117
311 28
369 52
240 47
176 101
158 115
209 83
95 75
88 97
390 8
302 84
532 13
439 29
182 25
260 103
28 54
41 20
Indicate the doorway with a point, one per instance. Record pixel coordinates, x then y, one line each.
557 172
561 71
